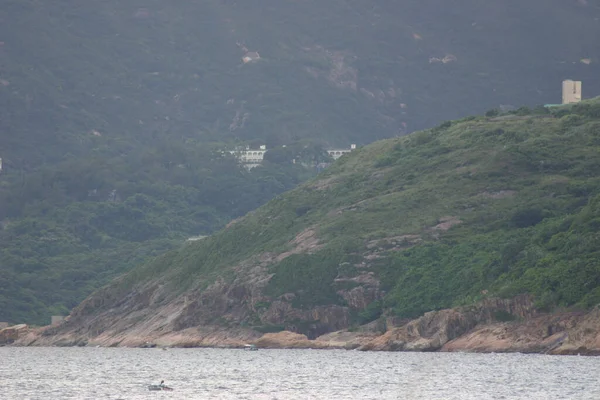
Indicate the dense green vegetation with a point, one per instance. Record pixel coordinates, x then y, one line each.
113 114
72 227
482 206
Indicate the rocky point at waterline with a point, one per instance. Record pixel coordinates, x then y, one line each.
469 236
468 329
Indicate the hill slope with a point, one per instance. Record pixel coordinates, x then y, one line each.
113 114
484 206
71 228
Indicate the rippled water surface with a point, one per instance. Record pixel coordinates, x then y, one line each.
97 373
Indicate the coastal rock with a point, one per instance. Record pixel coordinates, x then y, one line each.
335 340
12 333
542 334
346 340
285 339
583 336
313 322
471 329
427 333
435 329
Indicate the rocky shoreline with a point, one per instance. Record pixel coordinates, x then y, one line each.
452 330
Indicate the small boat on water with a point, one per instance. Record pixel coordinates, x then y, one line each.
159 387
250 347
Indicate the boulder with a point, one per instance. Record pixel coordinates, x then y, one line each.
12 333
285 340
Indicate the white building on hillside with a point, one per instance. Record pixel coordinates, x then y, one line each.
337 153
253 158
250 158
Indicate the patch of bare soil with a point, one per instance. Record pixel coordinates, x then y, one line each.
446 223
305 242
323 184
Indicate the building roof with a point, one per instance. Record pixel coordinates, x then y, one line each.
251 56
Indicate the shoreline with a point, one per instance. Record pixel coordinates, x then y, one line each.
567 333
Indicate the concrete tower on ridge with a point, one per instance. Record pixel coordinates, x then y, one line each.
571 91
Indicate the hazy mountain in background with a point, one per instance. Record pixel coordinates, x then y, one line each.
343 71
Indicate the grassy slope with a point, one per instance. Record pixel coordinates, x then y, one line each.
524 187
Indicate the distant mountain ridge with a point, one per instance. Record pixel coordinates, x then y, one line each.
344 72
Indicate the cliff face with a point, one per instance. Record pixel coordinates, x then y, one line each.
471 329
498 215
435 329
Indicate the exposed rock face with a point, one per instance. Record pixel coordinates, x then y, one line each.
428 333
366 291
286 339
223 313
313 323
436 328
12 333
473 329
243 302
334 340
543 334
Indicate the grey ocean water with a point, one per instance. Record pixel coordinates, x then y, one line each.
120 373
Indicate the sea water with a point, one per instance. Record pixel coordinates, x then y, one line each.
122 373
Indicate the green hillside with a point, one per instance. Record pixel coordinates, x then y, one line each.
114 115
72 227
496 205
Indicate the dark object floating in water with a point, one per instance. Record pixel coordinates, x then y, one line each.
159 387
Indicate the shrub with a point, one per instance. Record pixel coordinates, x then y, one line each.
503 316
570 120
370 313
269 328
527 217
523 111
587 110
300 211
308 276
